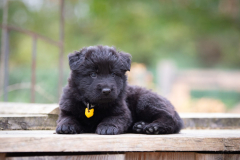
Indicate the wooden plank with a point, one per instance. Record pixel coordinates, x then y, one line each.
232 144
191 121
160 156
73 157
2 156
28 108
136 156
187 140
217 156
80 157
210 115
201 156
26 122
20 116
231 156
211 120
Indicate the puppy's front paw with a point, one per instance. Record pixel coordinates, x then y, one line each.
107 130
138 127
155 128
68 129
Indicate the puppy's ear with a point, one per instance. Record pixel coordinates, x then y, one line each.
75 60
126 61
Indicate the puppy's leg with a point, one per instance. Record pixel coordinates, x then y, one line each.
164 124
117 124
67 124
157 115
156 127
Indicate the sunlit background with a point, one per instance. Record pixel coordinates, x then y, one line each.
187 50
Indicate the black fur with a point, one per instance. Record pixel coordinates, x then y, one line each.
98 78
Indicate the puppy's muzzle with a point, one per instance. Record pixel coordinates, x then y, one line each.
106 91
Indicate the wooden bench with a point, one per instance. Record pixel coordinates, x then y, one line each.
22 116
189 144
17 143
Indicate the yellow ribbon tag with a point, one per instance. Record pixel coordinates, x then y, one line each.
89 113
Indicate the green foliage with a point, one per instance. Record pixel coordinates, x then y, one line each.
149 30
46 85
229 98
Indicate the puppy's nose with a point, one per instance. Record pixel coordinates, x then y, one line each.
106 90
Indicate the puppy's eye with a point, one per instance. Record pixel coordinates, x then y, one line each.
113 74
93 75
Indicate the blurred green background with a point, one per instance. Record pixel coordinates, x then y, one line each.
193 34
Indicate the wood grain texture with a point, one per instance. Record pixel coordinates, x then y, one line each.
211 120
187 140
203 156
28 108
209 156
160 156
47 122
74 157
232 144
18 116
2 156
134 156
28 122
231 156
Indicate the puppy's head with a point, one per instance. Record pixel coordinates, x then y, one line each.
98 72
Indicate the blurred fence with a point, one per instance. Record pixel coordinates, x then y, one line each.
199 79
192 89
4 73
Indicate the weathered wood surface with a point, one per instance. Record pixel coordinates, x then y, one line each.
48 122
217 156
209 156
22 116
28 122
187 140
28 108
211 120
160 156
2 156
73 157
130 156
122 156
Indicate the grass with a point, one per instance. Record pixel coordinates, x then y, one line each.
46 85
47 88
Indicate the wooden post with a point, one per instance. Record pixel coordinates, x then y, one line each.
61 47
33 74
165 76
2 156
4 51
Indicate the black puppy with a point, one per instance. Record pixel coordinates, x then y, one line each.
98 81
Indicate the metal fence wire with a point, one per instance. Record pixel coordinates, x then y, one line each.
4 73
